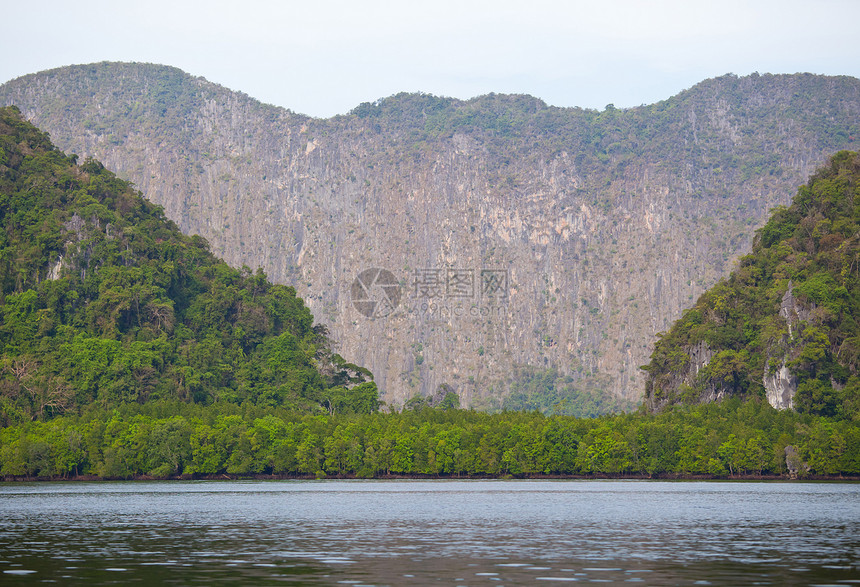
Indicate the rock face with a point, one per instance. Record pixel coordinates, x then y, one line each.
514 233
779 383
686 377
780 387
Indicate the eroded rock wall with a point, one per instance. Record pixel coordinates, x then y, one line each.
600 226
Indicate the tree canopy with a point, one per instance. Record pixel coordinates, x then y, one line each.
104 301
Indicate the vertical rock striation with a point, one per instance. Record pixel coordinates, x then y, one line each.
519 233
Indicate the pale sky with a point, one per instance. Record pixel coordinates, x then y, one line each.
324 57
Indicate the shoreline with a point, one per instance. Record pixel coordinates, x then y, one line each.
394 477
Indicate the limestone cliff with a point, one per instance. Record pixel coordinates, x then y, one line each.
517 233
780 384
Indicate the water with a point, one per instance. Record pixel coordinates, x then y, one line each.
430 532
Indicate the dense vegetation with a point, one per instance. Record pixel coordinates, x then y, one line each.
105 302
129 350
811 250
170 438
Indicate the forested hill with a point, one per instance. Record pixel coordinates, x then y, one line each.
607 224
105 301
785 323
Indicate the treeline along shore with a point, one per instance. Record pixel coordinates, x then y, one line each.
170 440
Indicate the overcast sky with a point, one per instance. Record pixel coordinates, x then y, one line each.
324 57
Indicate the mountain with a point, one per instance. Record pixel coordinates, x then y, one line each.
484 247
784 324
104 301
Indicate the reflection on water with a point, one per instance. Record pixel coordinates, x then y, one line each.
416 532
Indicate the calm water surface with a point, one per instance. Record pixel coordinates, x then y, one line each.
430 532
